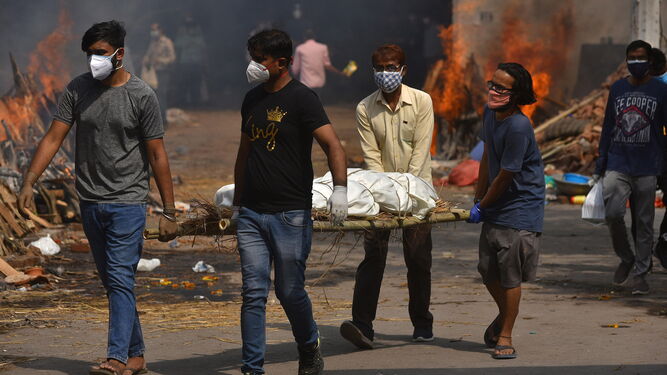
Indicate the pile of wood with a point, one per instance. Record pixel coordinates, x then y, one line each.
55 198
569 141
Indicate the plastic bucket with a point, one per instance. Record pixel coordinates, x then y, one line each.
576 178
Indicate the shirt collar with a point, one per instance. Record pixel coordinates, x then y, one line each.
404 99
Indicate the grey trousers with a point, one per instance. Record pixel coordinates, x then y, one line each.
618 188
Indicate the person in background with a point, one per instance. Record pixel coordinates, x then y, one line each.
632 148
395 125
160 56
191 52
658 65
311 60
118 136
273 179
658 70
509 200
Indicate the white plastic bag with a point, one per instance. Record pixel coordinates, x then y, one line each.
593 208
203 267
224 197
146 265
46 245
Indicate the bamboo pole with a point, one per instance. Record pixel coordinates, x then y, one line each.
226 226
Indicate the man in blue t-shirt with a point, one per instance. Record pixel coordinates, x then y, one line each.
509 199
632 146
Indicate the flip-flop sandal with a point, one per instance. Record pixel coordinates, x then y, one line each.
136 371
505 356
492 331
104 371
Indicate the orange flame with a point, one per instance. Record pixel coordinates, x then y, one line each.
543 57
449 98
47 63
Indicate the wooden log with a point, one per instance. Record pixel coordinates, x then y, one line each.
227 226
568 112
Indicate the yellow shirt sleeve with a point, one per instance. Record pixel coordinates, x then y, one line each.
369 145
421 145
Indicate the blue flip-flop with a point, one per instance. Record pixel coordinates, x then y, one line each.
504 356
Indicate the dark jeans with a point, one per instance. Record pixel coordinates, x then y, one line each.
115 233
417 246
283 238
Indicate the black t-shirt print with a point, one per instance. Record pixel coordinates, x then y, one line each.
280 125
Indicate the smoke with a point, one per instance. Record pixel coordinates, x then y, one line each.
351 28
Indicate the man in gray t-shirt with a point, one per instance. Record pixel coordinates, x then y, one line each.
118 135
113 123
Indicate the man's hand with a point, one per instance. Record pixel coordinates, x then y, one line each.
338 205
168 224
476 214
25 197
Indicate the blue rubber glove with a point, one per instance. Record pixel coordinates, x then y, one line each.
476 214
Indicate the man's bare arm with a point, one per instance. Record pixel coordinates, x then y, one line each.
239 168
328 140
46 150
157 157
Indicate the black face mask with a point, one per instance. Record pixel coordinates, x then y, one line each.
638 68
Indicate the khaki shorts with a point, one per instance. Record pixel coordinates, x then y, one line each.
508 255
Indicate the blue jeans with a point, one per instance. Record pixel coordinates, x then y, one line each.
283 238
115 233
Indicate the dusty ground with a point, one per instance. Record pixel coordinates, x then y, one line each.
563 327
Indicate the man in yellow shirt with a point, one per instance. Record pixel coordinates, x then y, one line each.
395 125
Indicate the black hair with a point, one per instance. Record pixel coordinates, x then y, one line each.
637 44
111 32
658 62
523 82
275 43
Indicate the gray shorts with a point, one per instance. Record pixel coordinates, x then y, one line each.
508 255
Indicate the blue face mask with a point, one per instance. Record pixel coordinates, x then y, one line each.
389 81
638 68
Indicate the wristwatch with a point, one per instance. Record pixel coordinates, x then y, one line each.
476 200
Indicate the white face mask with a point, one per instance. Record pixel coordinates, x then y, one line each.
102 66
257 73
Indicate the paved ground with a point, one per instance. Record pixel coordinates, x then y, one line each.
561 328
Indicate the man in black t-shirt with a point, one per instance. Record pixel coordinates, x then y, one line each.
273 177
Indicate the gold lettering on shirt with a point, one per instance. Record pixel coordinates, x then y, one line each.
269 133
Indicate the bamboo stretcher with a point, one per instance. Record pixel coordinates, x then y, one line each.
227 226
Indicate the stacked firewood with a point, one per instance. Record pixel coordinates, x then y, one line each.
55 198
569 141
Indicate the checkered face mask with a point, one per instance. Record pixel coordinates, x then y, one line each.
389 81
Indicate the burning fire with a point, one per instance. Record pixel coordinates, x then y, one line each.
47 67
543 56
